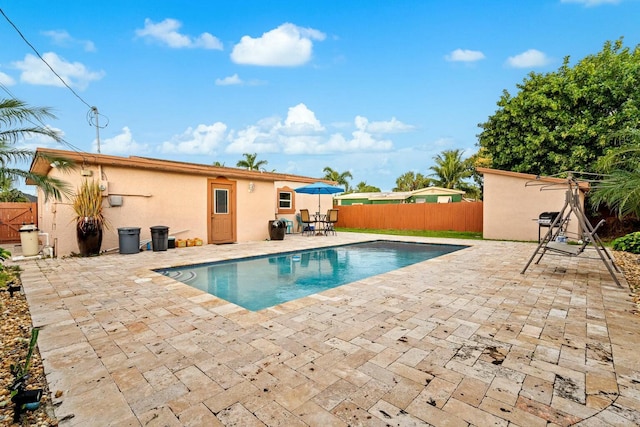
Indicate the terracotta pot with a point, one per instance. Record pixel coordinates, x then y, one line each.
89 236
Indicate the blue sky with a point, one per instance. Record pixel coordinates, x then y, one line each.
377 88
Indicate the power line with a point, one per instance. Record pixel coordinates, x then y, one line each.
92 109
43 60
42 124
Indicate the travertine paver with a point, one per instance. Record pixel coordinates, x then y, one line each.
463 339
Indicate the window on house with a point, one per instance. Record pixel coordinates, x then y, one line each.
286 201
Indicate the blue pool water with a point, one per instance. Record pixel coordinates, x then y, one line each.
260 282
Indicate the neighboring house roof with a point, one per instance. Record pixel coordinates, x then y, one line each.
399 195
42 166
584 186
433 191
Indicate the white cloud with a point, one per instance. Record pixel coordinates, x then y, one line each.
254 138
287 46
166 32
464 55
528 59
204 139
31 141
121 144
63 38
6 79
590 3
36 72
302 133
230 80
390 126
300 120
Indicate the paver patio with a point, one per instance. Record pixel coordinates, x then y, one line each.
463 339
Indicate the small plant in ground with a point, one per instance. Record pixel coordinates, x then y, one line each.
4 255
21 370
628 243
20 396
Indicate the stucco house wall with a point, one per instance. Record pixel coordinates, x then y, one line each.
173 194
511 207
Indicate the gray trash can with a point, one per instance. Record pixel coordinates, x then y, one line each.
129 240
159 237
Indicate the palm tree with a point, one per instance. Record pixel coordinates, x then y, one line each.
450 170
249 162
8 193
13 113
620 188
340 178
410 181
363 187
218 164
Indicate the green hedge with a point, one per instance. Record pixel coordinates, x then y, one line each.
628 243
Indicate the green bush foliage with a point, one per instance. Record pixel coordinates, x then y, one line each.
628 243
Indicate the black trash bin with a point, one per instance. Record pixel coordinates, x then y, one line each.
277 229
159 238
129 240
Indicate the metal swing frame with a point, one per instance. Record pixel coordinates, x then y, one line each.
550 244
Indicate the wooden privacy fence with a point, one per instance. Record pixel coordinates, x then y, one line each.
13 216
463 216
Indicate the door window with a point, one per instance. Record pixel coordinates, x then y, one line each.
221 201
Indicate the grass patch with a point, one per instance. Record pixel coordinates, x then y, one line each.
419 233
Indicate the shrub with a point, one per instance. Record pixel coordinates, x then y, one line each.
628 243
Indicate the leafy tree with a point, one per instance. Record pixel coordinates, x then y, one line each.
218 164
562 120
363 187
13 113
479 160
249 162
340 178
620 188
8 193
410 181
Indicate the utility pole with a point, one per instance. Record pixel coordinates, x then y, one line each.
97 124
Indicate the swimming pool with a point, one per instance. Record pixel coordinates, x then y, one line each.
261 282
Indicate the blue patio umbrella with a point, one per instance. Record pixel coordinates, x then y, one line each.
319 188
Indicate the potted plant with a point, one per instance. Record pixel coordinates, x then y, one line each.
277 229
87 205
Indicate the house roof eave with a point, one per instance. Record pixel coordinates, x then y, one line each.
42 167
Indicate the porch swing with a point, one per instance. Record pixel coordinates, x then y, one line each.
555 241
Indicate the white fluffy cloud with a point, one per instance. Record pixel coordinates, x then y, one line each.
302 133
530 58
6 79
390 126
63 38
36 72
204 139
166 32
121 144
287 46
465 55
31 141
229 81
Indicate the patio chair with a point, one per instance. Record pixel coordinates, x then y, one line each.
305 220
330 221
